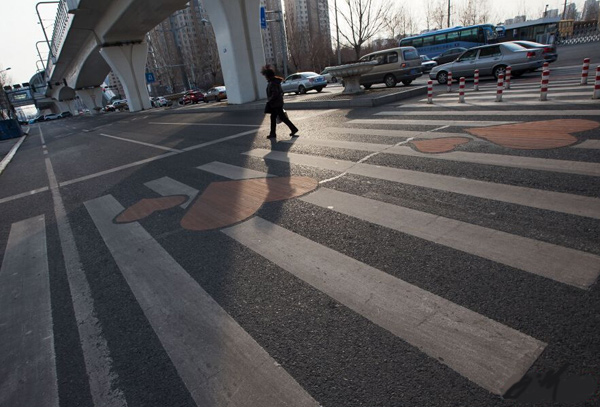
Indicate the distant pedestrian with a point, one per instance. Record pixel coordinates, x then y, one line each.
274 104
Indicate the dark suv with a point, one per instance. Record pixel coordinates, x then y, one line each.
449 55
193 96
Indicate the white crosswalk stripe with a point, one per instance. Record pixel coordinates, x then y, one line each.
27 359
217 360
539 164
554 201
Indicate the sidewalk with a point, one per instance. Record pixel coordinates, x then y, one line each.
330 98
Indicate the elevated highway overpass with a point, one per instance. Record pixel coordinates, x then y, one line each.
91 38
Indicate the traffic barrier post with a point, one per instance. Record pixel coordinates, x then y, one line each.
500 87
429 92
507 77
461 90
584 71
476 80
544 87
449 82
597 84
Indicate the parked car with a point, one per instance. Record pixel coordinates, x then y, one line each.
53 116
548 50
449 55
217 94
193 96
161 101
37 119
427 64
490 60
66 114
328 77
302 82
394 65
120 104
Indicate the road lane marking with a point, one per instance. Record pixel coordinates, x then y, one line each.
141 143
502 160
219 362
96 355
205 124
23 195
27 358
392 133
166 186
486 352
7 159
554 201
493 113
232 171
562 264
151 159
404 122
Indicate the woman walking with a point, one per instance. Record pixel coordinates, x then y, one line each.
275 103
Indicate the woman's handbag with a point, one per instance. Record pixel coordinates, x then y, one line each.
268 108
279 118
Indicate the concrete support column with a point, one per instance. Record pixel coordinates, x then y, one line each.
129 63
237 29
91 98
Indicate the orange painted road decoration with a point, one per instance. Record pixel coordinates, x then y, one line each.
539 135
224 203
439 145
148 206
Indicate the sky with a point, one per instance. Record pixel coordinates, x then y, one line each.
20 30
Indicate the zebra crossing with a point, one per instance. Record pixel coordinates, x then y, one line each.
220 363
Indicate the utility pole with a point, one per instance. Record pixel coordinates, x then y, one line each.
564 10
184 78
283 39
448 13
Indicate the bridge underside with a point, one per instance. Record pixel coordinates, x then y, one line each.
109 35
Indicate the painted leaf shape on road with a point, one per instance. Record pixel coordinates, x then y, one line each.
439 145
537 135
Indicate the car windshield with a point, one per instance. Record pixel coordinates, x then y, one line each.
513 47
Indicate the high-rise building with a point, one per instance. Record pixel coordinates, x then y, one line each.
591 10
309 36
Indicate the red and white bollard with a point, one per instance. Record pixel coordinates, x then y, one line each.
597 84
429 92
507 78
461 90
500 87
544 88
476 80
546 66
449 82
584 71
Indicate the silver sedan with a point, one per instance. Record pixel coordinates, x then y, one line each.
490 60
302 82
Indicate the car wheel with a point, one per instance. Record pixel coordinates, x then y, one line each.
367 86
333 79
406 83
301 89
390 81
499 70
319 89
442 77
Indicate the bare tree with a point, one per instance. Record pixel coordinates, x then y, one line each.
399 23
364 19
437 13
473 12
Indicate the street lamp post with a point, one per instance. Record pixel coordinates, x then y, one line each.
283 39
337 31
52 56
546 11
40 55
7 69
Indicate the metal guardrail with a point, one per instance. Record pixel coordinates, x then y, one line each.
582 39
62 22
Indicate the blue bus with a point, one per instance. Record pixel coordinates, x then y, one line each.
434 43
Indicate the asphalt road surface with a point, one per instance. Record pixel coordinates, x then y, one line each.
407 255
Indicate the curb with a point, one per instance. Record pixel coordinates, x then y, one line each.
7 159
321 104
